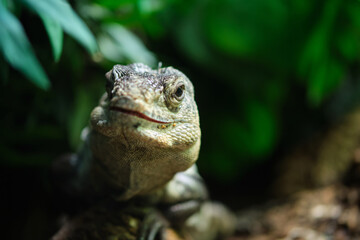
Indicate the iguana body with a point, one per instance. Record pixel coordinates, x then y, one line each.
143 142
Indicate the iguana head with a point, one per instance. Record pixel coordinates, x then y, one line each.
151 113
153 107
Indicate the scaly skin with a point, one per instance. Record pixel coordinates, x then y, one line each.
143 141
136 153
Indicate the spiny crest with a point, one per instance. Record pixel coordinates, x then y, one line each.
123 72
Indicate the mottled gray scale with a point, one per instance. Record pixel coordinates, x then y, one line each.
147 82
117 74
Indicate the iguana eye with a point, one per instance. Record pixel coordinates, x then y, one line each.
179 92
174 94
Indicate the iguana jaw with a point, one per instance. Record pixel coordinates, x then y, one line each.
137 114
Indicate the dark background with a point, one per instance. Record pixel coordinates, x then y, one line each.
268 74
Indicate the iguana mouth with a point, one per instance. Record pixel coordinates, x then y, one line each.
137 114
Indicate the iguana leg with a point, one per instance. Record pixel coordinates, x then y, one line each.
153 226
181 198
196 221
178 213
185 208
191 212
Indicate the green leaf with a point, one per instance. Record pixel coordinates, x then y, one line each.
4 3
317 64
262 128
124 44
55 34
241 29
193 44
324 80
111 4
61 12
256 136
147 7
17 50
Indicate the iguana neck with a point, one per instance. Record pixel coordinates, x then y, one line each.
133 170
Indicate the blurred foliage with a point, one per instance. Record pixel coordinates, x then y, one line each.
57 16
266 72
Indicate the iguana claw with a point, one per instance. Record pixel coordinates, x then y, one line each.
153 226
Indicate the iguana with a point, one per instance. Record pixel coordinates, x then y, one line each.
141 146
